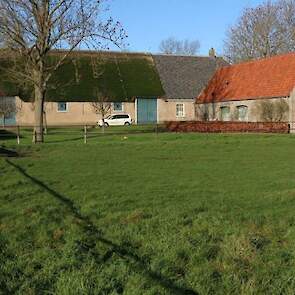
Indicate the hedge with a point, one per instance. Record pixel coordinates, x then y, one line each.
220 127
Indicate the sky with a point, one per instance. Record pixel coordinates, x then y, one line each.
147 22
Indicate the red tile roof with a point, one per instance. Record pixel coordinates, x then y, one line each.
264 78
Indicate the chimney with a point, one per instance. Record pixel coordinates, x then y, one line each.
212 52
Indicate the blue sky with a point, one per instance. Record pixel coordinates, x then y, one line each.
147 22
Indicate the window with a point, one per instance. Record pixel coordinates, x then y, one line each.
122 117
62 107
242 113
180 110
225 113
118 106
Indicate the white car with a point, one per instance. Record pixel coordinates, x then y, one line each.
116 120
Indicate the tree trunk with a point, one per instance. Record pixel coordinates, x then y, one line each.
39 110
45 122
102 118
3 116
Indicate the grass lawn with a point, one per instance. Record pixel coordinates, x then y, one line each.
149 214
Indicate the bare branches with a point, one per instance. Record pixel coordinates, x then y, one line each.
184 47
101 105
273 111
8 107
266 30
32 29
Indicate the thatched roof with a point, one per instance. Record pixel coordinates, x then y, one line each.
118 76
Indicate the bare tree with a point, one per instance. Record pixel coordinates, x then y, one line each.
8 107
180 47
202 112
101 106
263 31
287 16
31 30
273 111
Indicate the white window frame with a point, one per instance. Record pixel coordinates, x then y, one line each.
183 110
118 111
67 107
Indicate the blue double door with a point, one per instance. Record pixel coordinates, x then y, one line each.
146 110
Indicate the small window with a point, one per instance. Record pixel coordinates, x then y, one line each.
118 106
225 113
62 107
242 113
180 110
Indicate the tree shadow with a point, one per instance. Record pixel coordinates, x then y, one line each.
5 134
95 234
65 140
8 153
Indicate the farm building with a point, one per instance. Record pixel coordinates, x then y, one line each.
255 91
151 88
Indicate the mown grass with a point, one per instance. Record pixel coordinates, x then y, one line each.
149 214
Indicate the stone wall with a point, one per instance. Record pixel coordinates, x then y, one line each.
254 114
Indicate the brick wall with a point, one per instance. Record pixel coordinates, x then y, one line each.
219 127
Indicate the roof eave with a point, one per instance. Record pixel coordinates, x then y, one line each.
242 99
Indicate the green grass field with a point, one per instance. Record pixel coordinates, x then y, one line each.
149 214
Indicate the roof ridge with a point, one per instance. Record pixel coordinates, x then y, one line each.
104 52
184 55
136 53
261 59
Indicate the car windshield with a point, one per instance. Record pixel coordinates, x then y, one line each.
109 117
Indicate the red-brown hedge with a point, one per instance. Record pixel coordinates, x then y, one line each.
220 127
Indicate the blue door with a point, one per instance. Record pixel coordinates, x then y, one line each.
10 119
146 110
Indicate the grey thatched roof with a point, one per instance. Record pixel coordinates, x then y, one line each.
185 76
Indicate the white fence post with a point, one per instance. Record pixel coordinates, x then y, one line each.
85 134
18 135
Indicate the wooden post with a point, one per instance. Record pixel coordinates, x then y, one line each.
85 134
18 135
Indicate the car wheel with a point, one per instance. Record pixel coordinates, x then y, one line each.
106 124
127 124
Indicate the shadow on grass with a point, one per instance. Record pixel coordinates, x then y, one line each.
95 235
65 140
5 134
7 153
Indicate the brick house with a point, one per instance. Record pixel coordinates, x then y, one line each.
255 91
